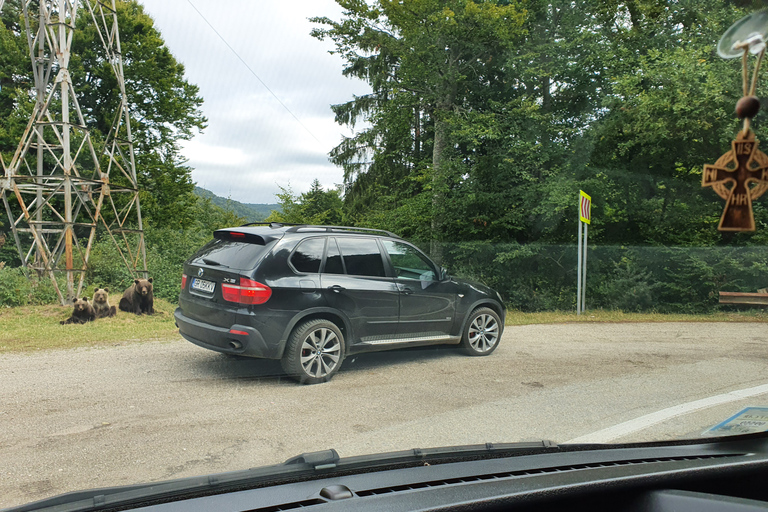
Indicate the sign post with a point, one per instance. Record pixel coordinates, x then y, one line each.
585 215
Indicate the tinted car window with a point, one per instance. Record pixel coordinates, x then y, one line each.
230 253
333 263
408 262
362 257
308 255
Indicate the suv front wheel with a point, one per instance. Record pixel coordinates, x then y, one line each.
314 351
481 335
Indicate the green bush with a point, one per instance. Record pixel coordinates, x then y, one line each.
15 288
106 268
18 290
167 250
529 277
8 253
629 288
537 277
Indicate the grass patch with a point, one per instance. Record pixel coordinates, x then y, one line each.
31 328
607 316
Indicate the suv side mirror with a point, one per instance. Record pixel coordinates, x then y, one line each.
443 274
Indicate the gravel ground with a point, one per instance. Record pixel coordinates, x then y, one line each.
132 413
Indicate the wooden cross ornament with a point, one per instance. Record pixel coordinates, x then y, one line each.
745 168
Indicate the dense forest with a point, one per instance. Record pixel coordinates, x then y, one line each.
485 119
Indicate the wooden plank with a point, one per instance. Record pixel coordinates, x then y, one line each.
759 299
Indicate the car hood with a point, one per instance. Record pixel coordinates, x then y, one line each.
476 286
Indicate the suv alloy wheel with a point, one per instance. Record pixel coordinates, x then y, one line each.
314 352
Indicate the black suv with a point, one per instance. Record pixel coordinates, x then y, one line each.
312 295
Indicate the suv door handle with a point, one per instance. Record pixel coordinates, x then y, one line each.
336 288
406 290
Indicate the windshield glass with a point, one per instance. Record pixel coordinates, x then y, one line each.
490 221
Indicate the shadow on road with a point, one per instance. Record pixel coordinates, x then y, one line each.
377 360
220 367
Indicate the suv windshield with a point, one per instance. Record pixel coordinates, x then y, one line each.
236 232
409 262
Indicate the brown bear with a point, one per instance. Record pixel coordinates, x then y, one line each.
138 297
83 313
101 303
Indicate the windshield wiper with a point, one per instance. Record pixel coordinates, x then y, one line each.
213 263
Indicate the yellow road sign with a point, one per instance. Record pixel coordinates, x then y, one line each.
585 207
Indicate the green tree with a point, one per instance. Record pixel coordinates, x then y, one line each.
317 206
164 107
626 100
425 58
15 78
669 111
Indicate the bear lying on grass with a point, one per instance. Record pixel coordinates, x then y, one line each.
101 303
83 313
138 298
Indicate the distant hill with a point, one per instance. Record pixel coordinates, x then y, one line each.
250 212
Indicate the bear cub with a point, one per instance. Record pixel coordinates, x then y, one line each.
83 313
138 298
101 303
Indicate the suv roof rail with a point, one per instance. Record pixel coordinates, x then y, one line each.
270 224
330 229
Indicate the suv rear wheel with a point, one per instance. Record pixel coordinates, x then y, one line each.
481 335
314 351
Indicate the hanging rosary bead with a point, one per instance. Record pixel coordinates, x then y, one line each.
748 106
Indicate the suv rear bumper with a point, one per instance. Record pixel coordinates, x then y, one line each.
238 339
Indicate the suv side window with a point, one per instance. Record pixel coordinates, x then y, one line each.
408 262
308 256
362 256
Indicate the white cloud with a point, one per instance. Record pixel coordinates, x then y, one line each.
252 143
203 154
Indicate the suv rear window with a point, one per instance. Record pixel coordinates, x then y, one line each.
232 254
308 256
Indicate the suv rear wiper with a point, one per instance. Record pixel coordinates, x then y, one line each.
213 263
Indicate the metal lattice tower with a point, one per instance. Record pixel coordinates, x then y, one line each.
56 189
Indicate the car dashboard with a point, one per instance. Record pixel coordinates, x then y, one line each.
725 474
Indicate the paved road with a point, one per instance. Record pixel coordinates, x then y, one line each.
116 415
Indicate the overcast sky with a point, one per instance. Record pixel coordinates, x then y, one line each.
252 143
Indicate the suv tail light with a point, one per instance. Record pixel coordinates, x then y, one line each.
183 281
248 292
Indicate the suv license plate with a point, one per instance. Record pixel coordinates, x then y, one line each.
202 285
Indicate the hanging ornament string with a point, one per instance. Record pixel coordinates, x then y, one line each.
757 70
748 106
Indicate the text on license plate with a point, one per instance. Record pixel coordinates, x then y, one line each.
203 286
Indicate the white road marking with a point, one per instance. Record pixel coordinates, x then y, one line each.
607 435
